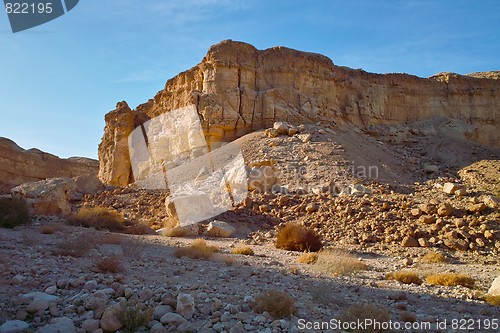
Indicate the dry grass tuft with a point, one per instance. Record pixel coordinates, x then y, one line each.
433 258
492 299
308 258
134 316
111 264
295 237
339 263
13 213
406 277
278 304
197 250
450 279
98 218
244 250
364 312
47 230
76 246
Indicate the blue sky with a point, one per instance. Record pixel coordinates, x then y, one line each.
58 80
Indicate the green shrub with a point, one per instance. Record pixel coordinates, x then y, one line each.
13 212
133 316
295 237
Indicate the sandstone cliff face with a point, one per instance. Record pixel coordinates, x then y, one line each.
238 89
19 166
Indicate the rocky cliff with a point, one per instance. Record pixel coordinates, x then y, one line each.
238 89
19 166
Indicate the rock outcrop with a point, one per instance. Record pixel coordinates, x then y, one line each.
19 166
238 89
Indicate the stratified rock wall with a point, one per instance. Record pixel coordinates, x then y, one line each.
238 89
19 166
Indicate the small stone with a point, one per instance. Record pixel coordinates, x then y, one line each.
220 229
311 208
37 305
59 325
161 310
185 305
477 208
271 133
409 241
423 242
186 327
445 209
90 325
96 301
90 285
456 244
427 219
428 208
430 168
158 328
450 188
281 126
14 326
51 290
172 318
491 201
110 320
264 209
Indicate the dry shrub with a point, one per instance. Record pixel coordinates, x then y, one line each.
294 270
114 239
433 258
295 237
138 228
197 250
134 316
111 264
492 299
450 279
339 263
98 218
406 277
76 246
308 258
133 249
278 304
244 250
47 230
13 212
408 317
363 312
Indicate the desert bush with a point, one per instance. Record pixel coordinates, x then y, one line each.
450 279
133 249
244 250
13 212
408 317
492 299
99 218
363 312
406 277
133 316
115 239
308 258
278 304
197 250
295 237
111 264
47 230
76 246
433 258
339 263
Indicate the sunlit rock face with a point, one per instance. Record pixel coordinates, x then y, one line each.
237 89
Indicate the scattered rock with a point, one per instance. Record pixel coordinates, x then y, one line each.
495 287
409 241
172 318
14 326
59 325
110 320
220 229
185 305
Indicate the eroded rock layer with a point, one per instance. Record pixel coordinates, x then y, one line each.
238 89
19 166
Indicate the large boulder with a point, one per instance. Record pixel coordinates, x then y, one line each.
59 325
495 287
48 197
220 229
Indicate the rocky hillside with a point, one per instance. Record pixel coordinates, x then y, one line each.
238 89
19 166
